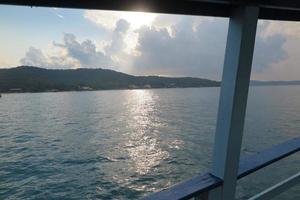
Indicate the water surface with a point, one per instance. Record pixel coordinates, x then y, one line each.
124 144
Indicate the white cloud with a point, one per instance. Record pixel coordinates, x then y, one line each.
35 57
71 53
187 52
108 19
59 59
85 52
287 65
288 29
68 54
162 44
104 19
197 49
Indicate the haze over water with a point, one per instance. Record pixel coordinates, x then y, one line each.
124 144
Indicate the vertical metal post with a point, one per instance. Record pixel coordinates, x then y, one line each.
233 97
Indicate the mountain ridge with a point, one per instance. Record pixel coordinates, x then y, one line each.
37 79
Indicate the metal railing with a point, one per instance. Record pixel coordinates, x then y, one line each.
201 185
243 16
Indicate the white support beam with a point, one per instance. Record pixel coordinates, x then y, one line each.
233 97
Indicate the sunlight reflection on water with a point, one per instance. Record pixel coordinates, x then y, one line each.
142 145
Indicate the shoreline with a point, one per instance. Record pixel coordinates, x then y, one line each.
254 85
106 90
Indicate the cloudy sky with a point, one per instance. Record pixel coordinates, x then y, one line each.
139 43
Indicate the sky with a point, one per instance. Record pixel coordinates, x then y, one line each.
140 43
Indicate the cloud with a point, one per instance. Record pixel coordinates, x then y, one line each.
68 54
85 52
287 62
118 49
285 28
118 35
108 19
196 47
34 57
165 45
104 19
71 53
188 51
55 59
268 51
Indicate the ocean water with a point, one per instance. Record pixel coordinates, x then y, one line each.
125 144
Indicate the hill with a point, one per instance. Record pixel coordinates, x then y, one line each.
274 83
34 79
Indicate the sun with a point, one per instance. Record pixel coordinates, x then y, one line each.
138 19
108 19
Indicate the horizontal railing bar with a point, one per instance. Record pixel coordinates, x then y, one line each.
203 183
278 188
188 189
262 159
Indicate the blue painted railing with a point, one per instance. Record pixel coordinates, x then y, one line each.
202 184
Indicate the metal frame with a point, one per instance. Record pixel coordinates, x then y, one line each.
231 116
221 183
233 97
269 9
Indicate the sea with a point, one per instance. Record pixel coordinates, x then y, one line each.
126 144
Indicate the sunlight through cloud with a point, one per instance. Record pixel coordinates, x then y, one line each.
108 19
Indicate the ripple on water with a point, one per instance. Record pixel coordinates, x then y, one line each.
126 144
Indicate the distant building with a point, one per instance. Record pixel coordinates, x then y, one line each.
133 87
52 90
15 90
87 88
147 86
172 85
